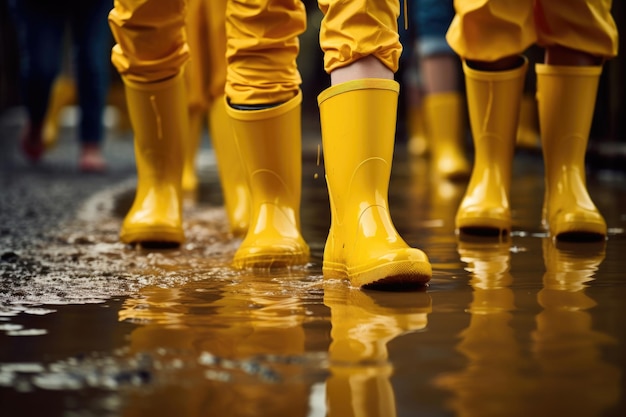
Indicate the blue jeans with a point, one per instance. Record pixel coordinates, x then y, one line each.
431 19
41 26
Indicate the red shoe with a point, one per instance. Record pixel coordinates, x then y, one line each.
32 143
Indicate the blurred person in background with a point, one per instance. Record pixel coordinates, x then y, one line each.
205 76
41 26
437 113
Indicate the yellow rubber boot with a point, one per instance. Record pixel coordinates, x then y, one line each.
566 97
358 122
158 113
445 125
198 71
269 142
63 94
190 145
528 127
418 142
231 171
493 103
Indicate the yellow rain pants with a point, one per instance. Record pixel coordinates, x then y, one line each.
206 70
151 41
487 30
262 44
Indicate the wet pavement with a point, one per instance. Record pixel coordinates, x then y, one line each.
90 327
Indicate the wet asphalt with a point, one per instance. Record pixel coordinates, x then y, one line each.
38 250
38 197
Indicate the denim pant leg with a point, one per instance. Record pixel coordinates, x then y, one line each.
40 34
431 19
92 41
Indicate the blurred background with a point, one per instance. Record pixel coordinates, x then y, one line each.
608 136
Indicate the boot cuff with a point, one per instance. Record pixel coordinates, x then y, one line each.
362 84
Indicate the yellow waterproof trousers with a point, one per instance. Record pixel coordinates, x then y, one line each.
352 30
151 41
487 30
205 72
262 41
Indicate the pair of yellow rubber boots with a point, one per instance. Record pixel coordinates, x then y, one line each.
363 245
566 98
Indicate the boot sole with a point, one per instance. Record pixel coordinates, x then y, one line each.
579 232
482 226
270 260
403 274
153 236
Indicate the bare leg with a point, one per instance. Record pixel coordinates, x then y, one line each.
368 67
559 55
440 73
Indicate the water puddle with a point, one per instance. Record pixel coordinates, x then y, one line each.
523 326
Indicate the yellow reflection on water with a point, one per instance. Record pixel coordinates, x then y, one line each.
563 372
241 348
574 378
363 323
218 336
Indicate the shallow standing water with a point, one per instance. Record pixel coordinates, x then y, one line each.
512 328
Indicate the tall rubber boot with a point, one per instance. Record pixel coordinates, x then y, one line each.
528 127
567 97
63 94
418 141
230 167
358 121
190 146
269 142
445 125
158 113
493 102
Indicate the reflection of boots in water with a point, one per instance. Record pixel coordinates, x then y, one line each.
574 378
363 323
491 381
214 347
